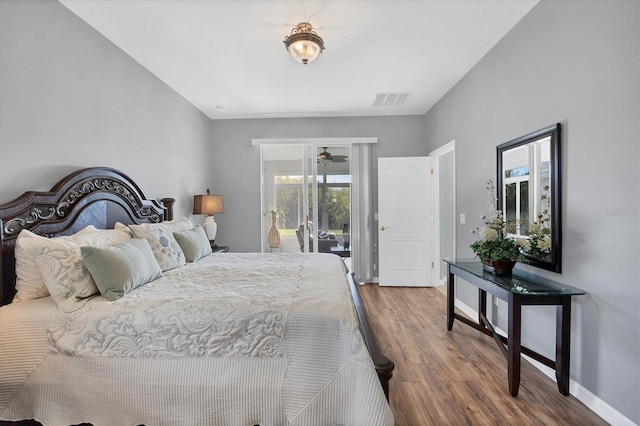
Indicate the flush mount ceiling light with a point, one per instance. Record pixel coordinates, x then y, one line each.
303 43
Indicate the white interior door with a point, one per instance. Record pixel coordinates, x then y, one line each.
405 221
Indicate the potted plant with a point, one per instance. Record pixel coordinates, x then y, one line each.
497 251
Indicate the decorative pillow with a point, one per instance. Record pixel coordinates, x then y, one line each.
121 226
30 284
119 269
86 230
165 248
62 269
29 281
179 225
102 237
194 243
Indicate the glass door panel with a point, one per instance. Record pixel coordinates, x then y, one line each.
333 197
309 188
283 191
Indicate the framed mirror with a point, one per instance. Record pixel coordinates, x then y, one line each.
529 194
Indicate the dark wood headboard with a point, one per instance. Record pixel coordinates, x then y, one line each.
97 196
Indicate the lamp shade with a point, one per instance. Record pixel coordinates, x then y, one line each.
208 204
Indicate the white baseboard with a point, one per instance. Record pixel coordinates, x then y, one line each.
591 401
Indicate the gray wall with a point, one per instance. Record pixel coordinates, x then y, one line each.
576 63
70 99
235 163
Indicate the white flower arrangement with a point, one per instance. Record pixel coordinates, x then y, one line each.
538 244
494 244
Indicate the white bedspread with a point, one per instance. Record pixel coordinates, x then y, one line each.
232 339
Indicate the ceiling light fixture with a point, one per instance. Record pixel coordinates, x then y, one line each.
303 43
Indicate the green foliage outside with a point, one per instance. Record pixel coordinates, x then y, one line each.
338 208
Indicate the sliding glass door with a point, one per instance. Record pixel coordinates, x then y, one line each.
309 189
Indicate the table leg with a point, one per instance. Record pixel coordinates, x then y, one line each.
563 344
450 299
482 305
514 343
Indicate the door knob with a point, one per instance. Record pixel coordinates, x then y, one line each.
382 228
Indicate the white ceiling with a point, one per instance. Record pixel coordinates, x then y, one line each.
227 58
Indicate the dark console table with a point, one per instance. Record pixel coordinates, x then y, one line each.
518 289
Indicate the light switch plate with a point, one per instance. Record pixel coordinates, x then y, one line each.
463 218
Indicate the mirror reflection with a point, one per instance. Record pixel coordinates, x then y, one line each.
528 194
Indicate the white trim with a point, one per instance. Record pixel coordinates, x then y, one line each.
450 146
314 141
263 242
591 401
468 311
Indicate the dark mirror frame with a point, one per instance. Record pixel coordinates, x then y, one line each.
555 261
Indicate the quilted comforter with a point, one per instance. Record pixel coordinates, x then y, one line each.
231 339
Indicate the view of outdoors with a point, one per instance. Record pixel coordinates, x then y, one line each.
288 173
333 199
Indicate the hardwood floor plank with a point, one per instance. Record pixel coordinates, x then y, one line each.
456 377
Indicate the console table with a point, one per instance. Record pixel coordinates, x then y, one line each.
517 290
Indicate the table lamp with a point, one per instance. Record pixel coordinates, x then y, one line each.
208 205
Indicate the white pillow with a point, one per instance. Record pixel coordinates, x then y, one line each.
120 226
64 273
164 246
29 281
102 237
179 225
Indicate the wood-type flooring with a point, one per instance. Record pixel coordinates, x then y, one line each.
457 377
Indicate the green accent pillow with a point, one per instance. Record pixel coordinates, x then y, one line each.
194 243
119 269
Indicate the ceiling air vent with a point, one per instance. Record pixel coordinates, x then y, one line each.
390 99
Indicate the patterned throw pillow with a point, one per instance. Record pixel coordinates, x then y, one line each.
165 248
30 283
63 270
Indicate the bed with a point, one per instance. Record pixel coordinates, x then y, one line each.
245 338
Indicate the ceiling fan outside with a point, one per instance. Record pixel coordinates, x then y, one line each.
327 156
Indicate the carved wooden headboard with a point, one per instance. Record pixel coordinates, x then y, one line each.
97 196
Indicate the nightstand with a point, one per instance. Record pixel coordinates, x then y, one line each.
219 249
